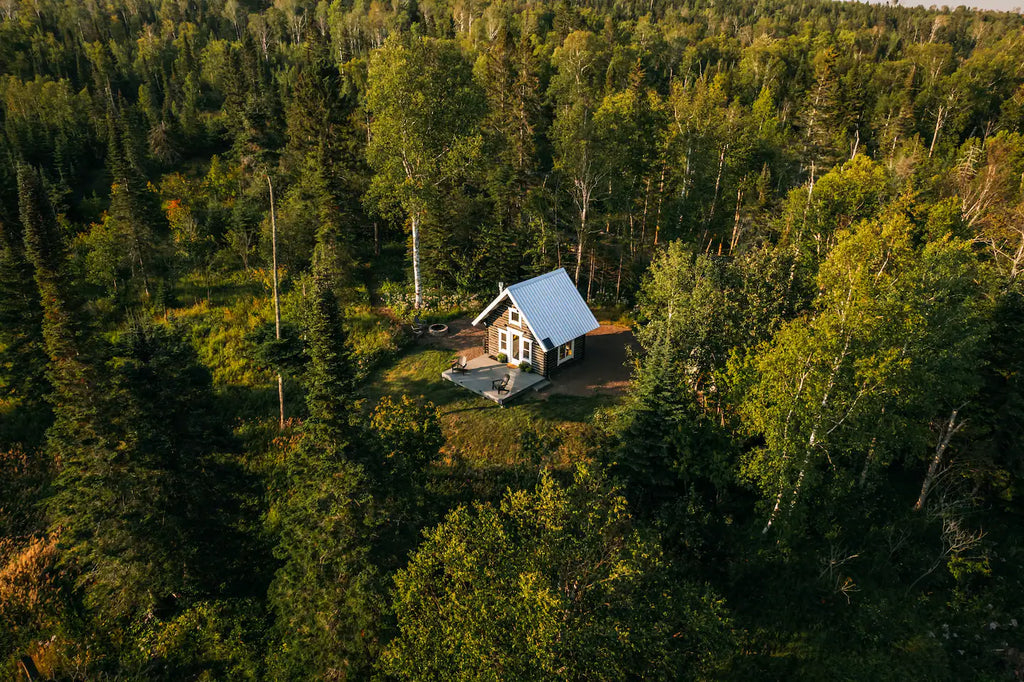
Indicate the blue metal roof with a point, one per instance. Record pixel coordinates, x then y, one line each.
551 306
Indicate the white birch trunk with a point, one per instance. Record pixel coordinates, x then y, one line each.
418 302
582 238
938 127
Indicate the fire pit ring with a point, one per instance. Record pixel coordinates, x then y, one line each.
438 329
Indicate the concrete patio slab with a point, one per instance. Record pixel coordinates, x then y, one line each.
481 373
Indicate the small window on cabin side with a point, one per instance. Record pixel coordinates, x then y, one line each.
565 351
514 317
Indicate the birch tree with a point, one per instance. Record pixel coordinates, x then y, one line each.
574 134
855 385
425 112
988 182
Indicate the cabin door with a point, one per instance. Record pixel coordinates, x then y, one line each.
520 349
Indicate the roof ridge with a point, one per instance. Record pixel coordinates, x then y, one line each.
537 277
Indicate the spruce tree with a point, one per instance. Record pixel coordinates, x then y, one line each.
129 250
44 246
116 443
23 382
330 377
326 594
324 156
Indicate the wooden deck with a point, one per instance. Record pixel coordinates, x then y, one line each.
482 371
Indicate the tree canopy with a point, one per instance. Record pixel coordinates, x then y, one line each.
226 452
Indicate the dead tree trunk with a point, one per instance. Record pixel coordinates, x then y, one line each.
277 302
940 119
736 222
947 432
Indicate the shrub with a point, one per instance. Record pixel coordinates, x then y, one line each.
400 297
502 357
373 341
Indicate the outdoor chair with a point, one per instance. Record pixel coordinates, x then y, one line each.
501 385
459 365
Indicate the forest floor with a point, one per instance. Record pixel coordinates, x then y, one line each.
481 435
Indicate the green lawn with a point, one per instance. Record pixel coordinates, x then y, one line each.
481 435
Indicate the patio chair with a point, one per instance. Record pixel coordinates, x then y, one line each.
501 385
459 365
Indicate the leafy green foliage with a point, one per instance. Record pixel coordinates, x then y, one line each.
856 382
554 581
410 435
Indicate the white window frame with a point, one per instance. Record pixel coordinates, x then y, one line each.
518 320
503 341
526 350
572 352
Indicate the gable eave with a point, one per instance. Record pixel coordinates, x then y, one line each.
526 318
491 306
522 313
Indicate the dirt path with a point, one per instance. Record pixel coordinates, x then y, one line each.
603 369
462 339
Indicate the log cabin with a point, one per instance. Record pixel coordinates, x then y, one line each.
541 321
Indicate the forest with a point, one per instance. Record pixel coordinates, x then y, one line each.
223 456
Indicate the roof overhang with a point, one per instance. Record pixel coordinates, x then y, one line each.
500 297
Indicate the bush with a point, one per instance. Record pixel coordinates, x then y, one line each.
373 341
400 298
525 367
502 357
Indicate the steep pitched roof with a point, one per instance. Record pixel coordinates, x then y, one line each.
552 307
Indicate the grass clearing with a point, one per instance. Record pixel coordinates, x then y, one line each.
479 434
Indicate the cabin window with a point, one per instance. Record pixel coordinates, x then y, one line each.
514 317
527 351
502 341
566 351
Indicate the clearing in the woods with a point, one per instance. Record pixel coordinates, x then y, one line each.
482 435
